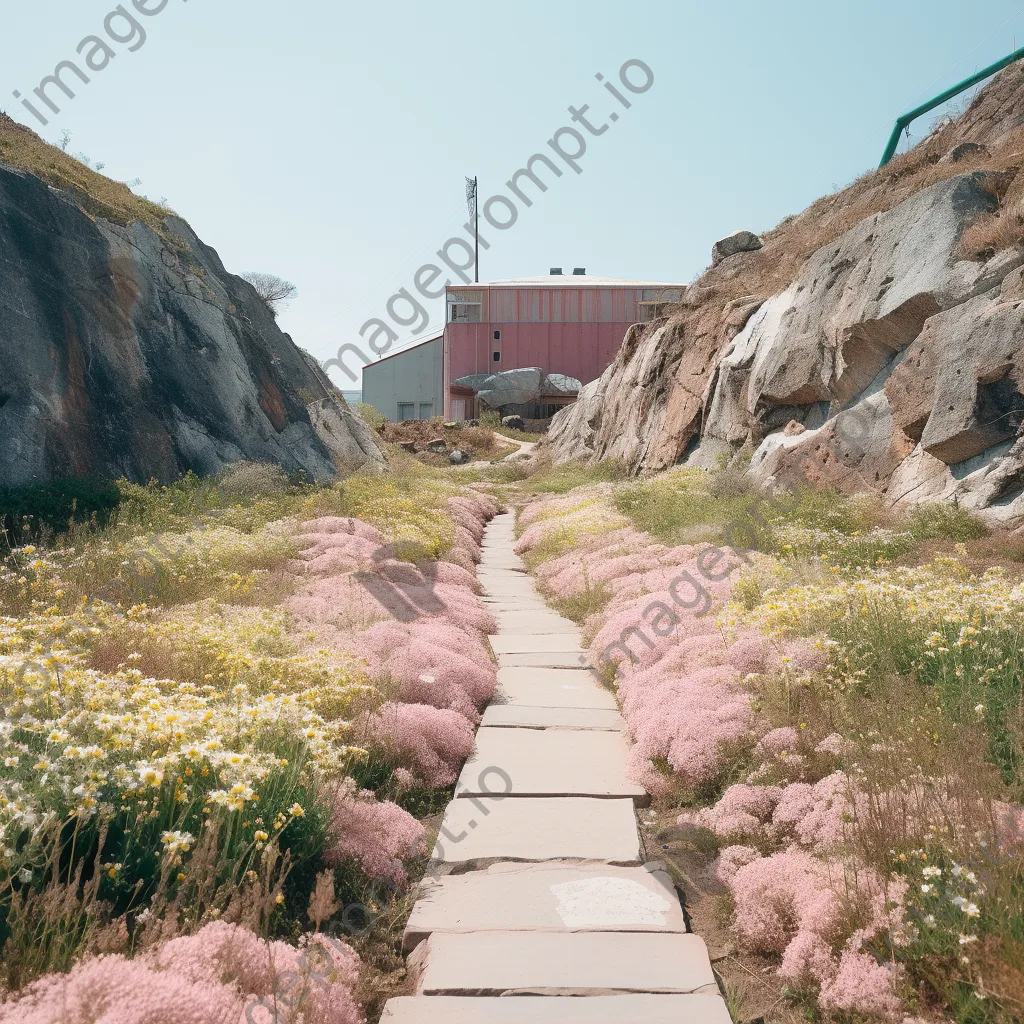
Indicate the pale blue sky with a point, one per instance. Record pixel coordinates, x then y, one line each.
327 142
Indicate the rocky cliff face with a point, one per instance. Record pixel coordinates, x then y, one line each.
874 342
131 351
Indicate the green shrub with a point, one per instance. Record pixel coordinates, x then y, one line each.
28 511
667 508
249 480
507 473
579 607
946 519
370 416
570 475
729 507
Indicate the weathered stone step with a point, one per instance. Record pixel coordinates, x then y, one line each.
548 763
516 716
563 641
554 659
535 621
547 897
508 583
541 890
512 605
552 688
551 963
618 1009
546 828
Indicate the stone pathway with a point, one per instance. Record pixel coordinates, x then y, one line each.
525 450
538 886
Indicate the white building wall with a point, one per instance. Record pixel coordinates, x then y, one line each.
413 379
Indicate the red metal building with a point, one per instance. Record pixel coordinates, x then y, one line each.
564 323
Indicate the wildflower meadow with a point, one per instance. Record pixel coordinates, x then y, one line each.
233 709
832 711
229 710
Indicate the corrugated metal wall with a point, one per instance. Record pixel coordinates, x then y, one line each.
568 305
576 330
414 377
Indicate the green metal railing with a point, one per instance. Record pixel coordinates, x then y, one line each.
904 119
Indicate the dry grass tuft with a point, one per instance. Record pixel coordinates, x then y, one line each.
993 234
94 193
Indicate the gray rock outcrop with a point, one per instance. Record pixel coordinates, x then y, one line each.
858 303
879 359
731 245
131 352
518 387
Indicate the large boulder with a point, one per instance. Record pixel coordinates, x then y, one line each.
132 352
507 387
518 387
647 407
731 245
571 436
857 304
935 408
957 392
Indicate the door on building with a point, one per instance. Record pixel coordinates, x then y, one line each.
458 410
406 411
426 410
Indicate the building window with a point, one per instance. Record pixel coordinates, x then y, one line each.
406 411
648 311
463 312
497 357
497 335
426 410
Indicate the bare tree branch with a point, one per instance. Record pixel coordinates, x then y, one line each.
273 290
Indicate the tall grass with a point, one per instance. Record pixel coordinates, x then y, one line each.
569 475
919 705
127 633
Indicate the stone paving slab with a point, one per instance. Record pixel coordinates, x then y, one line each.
551 963
564 909
549 763
503 605
547 897
555 659
552 688
534 621
512 597
508 586
516 716
564 641
551 828
700 1008
523 603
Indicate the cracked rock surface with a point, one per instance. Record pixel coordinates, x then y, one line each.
128 352
883 360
